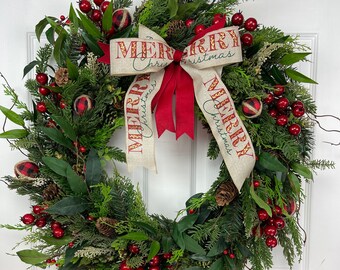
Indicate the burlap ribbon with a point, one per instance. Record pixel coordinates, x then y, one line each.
161 71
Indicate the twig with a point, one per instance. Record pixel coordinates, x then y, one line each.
333 144
318 123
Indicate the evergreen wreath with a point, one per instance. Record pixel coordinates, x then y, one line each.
83 218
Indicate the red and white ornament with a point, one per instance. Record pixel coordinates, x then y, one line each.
26 168
251 107
82 104
121 19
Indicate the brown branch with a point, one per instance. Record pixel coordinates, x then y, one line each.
333 144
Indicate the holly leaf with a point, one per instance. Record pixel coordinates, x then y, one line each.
173 7
135 236
292 58
14 134
93 168
76 183
89 26
271 163
107 18
299 77
57 165
73 72
192 245
29 67
69 206
302 170
13 116
154 249
55 135
31 256
65 126
261 203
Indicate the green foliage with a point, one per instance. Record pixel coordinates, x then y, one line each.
106 198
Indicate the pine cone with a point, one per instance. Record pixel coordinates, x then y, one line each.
106 225
226 193
51 192
175 27
61 76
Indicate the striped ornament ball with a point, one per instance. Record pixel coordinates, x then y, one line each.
121 19
251 107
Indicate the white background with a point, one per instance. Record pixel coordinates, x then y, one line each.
183 168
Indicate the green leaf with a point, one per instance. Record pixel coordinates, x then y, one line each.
217 265
271 163
192 245
94 47
292 58
76 183
135 236
58 46
187 222
154 248
73 18
302 170
73 72
173 7
31 256
299 77
107 18
69 206
178 237
167 242
29 67
13 116
194 268
218 248
94 170
144 226
57 165
278 75
125 33
294 183
14 134
56 242
55 135
50 35
89 26
39 28
188 8
65 126
261 203
244 250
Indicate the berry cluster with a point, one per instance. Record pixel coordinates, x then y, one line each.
40 219
229 253
280 109
156 263
249 25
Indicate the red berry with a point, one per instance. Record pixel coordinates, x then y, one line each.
44 91
62 104
41 78
134 249
297 104
282 103
58 233
294 129
155 267
250 24
55 225
41 222
256 183
68 22
90 218
124 266
279 90
257 231
273 113
298 111
247 39
237 19
199 28
271 221
53 261
37 209
98 2
167 256
191 211
48 261
270 230
96 15
217 18
225 252
189 22
71 244
41 107
85 6
277 210
51 123
104 6
282 120
27 219
53 84
232 256
271 241
82 149
83 48
62 18
291 207
262 214
269 98
155 261
279 223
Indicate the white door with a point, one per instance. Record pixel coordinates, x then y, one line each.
182 166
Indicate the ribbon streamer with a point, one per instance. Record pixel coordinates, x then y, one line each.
160 69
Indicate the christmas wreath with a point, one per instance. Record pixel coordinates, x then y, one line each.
248 95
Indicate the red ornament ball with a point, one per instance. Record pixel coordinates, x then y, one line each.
269 98
247 39
134 249
155 261
277 210
26 168
262 214
41 107
124 266
41 78
250 24
96 15
279 90
270 230
282 103
271 241
55 225
273 113
58 233
104 6
121 19
98 2
237 19
298 111
252 107
167 256
291 207
44 91
279 223
282 120
256 183
37 209
28 219
41 222
294 129
189 22
199 28
82 104
85 6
